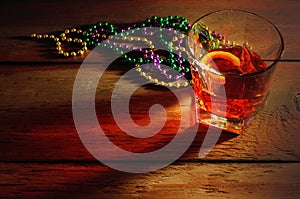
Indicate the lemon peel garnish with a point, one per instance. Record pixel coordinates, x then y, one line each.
222 55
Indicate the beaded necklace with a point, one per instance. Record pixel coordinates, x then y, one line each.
97 34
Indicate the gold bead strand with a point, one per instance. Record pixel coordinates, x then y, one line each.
132 38
53 37
74 40
161 83
144 74
63 37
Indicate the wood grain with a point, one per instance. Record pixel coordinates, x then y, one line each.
37 122
25 17
182 180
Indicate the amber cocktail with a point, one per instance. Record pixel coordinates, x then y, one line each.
233 55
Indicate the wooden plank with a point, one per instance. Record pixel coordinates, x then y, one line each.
37 124
23 18
182 180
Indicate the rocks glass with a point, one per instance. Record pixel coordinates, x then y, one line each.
233 54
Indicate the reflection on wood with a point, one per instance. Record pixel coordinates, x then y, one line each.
37 118
185 180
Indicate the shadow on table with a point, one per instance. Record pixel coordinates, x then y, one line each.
46 134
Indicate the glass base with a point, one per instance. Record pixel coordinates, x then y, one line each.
231 125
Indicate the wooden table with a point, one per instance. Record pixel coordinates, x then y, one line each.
41 153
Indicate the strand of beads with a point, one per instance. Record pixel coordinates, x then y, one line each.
213 40
150 56
64 38
175 61
170 61
153 56
159 82
96 34
174 22
120 47
178 23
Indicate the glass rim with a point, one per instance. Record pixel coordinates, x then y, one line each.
280 52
